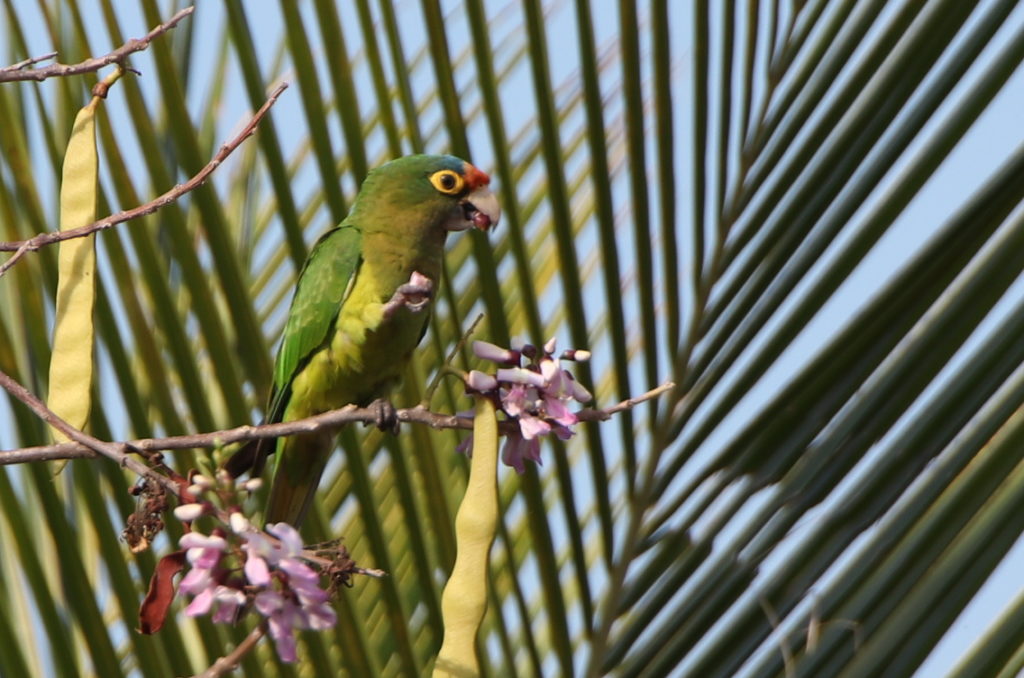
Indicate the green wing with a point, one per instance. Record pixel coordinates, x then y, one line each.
323 285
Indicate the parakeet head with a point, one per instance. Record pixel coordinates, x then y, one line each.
445 191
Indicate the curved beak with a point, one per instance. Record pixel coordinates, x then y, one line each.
481 208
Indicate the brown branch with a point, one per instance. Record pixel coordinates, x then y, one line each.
17 72
113 451
628 404
231 660
28 62
20 247
327 420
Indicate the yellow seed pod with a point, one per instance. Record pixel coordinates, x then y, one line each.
464 600
71 360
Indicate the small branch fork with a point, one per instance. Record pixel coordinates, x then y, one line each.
20 247
20 72
80 449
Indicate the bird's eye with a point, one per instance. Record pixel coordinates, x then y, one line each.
447 181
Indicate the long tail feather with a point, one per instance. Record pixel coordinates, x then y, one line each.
301 462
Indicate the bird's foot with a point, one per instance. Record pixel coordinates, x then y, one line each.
414 295
385 416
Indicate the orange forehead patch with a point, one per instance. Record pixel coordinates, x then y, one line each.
474 177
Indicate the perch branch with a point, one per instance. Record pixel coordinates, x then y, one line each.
327 420
19 71
20 247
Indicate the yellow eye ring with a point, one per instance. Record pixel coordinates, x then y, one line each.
447 181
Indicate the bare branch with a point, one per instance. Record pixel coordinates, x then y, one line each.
626 404
18 72
230 661
327 420
20 247
28 62
112 451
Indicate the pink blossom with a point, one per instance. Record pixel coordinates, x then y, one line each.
320 617
201 604
229 601
282 630
537 395
278 580
562 432
556 410
531 426
298 571
197 580
291 540
516 400
256 570
517 449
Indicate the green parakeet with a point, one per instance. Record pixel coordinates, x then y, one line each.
361 306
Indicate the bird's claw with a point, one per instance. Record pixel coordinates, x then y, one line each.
414 295
385 416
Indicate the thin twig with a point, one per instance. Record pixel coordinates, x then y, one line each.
28 62
628 404
231 660
327 420
20 247
17 72
428 395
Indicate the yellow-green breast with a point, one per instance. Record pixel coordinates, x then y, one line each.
367 353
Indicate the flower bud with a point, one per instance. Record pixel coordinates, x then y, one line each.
519 375
202 481
186 513
252 484
549 369
577 355
198 540
579 392
493 352
478 381
239 523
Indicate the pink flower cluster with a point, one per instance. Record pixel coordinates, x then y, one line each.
537 395
275 579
